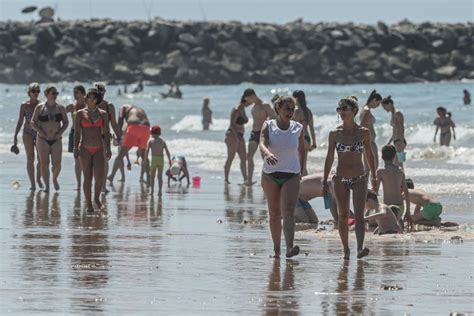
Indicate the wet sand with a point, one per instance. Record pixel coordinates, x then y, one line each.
206 251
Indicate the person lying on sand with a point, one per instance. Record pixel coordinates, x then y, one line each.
387 218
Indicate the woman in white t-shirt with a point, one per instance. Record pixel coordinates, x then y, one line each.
282 148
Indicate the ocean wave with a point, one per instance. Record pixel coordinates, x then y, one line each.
193 123
453 155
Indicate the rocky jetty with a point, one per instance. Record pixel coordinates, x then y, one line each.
232 52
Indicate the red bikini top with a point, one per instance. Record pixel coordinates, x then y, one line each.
85 122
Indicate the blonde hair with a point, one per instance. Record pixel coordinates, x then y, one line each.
281 100
32 86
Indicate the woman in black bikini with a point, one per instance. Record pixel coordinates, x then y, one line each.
304 116
444 123
50 121
350 141
29 135
234 137
92 146
282 148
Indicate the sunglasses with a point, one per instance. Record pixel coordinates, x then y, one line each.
55 93
342 108
35 91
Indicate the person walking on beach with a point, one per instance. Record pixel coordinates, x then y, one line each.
367 120
92 146
206 114
466 99
234 136
80 102
260 111
444 123
350 141
136 134
282 149
109 108
398 130
157 146
29 134
50 121
304 116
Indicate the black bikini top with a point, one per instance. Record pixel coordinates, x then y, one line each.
58 117
241 120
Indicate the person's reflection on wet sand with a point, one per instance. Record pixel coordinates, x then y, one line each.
40 243
155 209
280 298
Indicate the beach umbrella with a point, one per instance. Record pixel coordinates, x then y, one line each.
29 9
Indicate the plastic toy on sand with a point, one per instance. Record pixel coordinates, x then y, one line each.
196 182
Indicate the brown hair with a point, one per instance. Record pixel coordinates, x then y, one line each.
351 101
48 89
387 100
281 100
32 86
94 93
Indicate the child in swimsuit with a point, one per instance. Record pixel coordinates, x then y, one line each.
428 209
386 217
178 170
157 146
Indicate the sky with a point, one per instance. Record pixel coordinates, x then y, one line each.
272 11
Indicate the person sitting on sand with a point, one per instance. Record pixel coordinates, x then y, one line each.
157 146
393 181
282 149
311 186
427 209
385 217
444 123
350 141
136 134
178 170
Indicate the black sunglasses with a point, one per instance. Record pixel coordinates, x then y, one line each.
342 108
35 91
55 93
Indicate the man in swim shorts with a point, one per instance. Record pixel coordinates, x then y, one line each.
137 134
427 210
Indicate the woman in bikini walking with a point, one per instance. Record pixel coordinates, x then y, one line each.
92 146
350 141
29 135
50 121
282 148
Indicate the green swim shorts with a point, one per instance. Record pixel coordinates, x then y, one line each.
157 162
431 210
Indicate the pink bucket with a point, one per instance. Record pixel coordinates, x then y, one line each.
196 181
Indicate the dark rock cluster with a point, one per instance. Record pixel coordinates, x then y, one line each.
232 52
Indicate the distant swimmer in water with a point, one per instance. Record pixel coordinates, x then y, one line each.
261 111
311 186
178 170
137 134
367 120
234 136
29 134
282 148
304 116
92 146
79 103
466 97
350 141
50 121
206 114
157 146
398 130
392 178
444 123
386 218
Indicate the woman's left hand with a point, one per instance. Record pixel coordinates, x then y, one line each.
108 154
313 146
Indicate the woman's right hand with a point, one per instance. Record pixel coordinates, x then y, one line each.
325 187
76 152
271 159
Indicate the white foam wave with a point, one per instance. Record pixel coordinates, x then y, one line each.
453 155
194 123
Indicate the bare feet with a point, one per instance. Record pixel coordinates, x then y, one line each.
122 180
362 253
226 181
99 205
90 209
110 178
56 185
293 252
347 254
46 189
40 184
33 188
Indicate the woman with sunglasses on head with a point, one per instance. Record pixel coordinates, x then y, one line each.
234 136
282 148
350 141
79 103
29 135
367 120
90 147
398 129
50 121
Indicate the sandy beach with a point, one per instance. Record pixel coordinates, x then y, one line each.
206 251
